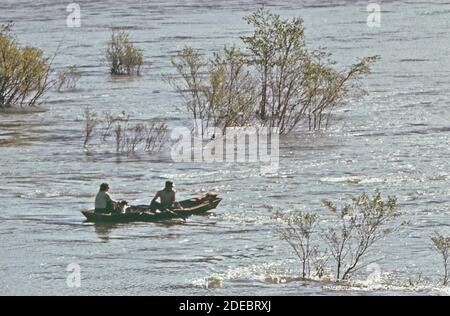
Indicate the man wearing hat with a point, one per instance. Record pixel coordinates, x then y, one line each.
166 197
103 201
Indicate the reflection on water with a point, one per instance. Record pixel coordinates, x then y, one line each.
396 139
103 231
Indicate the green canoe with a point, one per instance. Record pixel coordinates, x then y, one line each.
196 206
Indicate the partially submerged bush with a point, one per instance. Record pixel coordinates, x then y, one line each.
347 239
128 137
68 78
90 122
442 245
124 58
298 233
296 84
358 227
147 137
274 82
218 93
24 72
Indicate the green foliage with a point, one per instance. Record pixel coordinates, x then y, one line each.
123 56
294 83
219 92
24 72
277 49
193 84
281 83
231 89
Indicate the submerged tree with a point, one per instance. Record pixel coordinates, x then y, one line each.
123 56
219 92
279 83
192 87
347 239
298 232
295 83
24 72
358 227
266 48
232 89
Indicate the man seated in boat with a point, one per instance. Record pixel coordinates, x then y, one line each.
166 197
104 203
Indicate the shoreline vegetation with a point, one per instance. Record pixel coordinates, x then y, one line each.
273 81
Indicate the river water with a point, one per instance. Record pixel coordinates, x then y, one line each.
395 139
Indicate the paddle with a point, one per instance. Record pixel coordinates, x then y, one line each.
175 214
143 209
